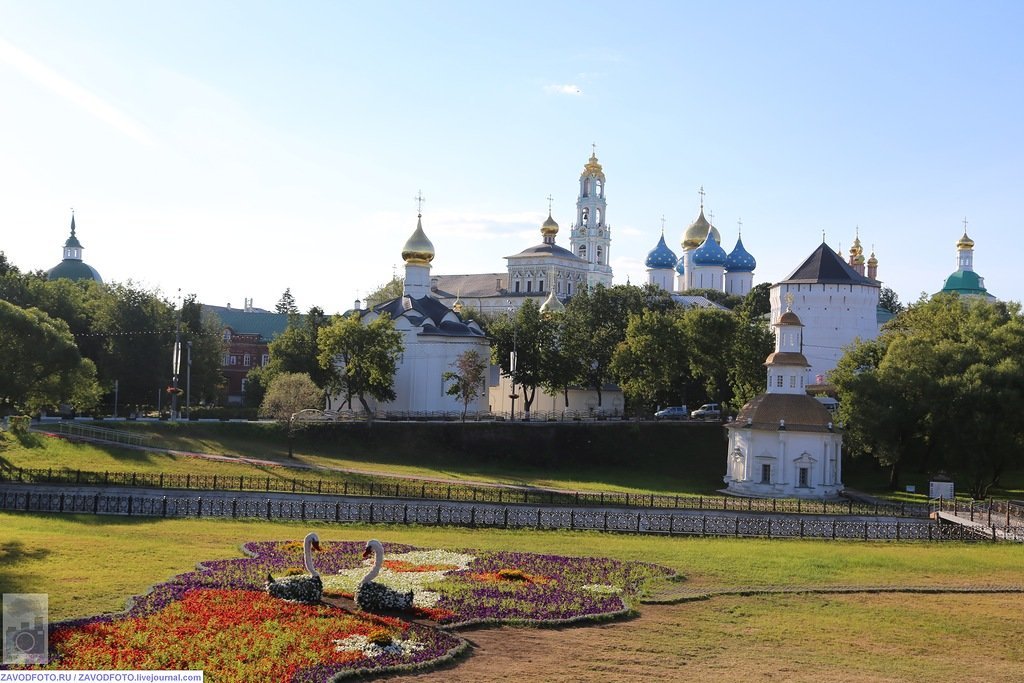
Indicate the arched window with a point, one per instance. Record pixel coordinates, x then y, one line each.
540 285
600 218
586 217
600 187
583 251
585 190
600 255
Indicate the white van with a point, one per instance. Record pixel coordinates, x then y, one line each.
708 411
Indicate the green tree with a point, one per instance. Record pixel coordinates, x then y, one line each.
288 393
751 343
708 337
366 356
757 303
286 304
392 289
558 368
40 365
890 301
297 349
467 380
730 301
203 332
942 387
137 329
523 335
595 324
650 363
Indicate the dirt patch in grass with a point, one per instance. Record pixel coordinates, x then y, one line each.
871 638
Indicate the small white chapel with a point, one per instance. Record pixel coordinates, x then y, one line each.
783 443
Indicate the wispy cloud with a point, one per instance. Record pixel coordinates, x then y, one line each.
49 79
563 89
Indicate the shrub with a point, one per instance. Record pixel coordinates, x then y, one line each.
20 424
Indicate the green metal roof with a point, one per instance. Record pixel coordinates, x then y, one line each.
966 282
264 323
73 269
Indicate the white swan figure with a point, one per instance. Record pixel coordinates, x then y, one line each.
372 596
305 589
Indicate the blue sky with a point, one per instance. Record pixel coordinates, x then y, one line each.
234 149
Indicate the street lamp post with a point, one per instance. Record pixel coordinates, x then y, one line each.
188 381
512 361
176 363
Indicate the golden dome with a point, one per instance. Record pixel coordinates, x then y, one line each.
550 227
965 242
872 261
856 249
592 167
698 232
552 304
418 250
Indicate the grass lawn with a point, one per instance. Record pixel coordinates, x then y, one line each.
264 442
90 564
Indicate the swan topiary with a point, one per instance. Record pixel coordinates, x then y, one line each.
304 589
376 597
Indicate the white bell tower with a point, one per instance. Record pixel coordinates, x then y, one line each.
591 236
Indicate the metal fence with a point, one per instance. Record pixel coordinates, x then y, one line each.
78 430
518 517
987 512
458 492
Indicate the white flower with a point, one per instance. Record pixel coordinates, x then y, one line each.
347 580
362 644
603 588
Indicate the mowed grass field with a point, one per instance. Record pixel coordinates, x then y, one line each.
89 565
691 469
672 458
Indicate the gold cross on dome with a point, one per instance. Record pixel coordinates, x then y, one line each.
662 224
739 223
965 224
550 199
419 201
701 193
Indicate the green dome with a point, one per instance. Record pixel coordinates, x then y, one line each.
70 269
965 282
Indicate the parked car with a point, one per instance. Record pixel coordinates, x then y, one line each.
708 411
672 413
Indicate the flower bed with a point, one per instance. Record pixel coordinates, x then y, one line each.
218 618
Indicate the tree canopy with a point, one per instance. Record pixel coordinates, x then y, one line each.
290 392
40 365
366 356
467 379
942 388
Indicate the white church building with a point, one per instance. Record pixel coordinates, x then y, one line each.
704 264
433 334
783 442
